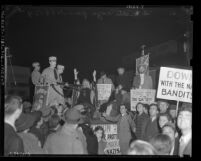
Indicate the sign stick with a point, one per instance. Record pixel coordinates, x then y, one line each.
177 108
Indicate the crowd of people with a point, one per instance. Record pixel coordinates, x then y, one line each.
63 125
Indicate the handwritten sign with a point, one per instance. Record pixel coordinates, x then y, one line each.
175 84
112 147
104 91
41 93
142 60
142 95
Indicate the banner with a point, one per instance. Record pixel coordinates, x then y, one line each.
175 84
41 94
142 60
104 91
146 96
112 147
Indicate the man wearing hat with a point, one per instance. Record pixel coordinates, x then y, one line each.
13 144
36 75
184 122
69 139
51 78
30 141
142 81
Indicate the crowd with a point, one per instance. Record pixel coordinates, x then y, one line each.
63 126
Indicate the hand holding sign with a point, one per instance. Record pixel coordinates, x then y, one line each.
94 75
75 73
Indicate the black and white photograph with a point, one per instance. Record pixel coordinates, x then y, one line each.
90 80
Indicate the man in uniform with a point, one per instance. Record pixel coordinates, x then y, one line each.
35 75
51 78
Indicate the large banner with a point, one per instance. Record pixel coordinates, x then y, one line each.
104 91
112 147
146 96
142 60
175 84
41 94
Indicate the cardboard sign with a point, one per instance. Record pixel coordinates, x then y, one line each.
146 96
112 147
142 60
175 84
104 91
42 92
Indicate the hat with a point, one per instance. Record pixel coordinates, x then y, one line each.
73 116
60 67
52 58
25 121
35 64
46 111
172 107
186 107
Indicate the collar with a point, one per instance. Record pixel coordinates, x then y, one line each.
172 150
153 118
13 126
186 138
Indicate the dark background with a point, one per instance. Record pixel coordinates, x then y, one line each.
91 43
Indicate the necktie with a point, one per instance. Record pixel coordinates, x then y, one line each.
182 146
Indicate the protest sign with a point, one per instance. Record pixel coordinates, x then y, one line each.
142 60
175 84
146 96
41 94
104 91
110 131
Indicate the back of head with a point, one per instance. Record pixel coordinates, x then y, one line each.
12 103
54 121
140 147
162 143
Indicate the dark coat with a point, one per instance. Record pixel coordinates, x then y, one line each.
151 129
12 142
176 146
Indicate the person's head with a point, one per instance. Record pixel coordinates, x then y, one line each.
162 143
146 109
60 69
142 68
13 107
52 61
153 110
163 119
73 116
60 109
36 66
172 111
123 109
27 107
140 108
86 83
103 74
163 106
121 70
53 121
139 147
170 130
184 119
99 132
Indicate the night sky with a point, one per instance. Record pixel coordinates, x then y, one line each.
86 44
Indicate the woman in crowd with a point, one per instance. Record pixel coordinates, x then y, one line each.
124 126
99 132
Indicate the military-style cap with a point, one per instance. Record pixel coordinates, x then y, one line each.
52 58
60 67
35 64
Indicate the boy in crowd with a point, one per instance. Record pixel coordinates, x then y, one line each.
163 119
184 122
170 130
151 126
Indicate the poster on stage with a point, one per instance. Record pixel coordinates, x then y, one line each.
104 91
175 84
110 130
142 60
41 94
146 96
